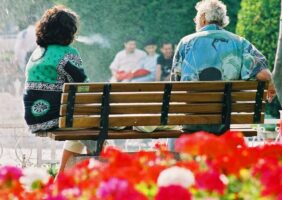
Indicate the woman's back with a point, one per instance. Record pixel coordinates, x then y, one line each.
47 70
46 66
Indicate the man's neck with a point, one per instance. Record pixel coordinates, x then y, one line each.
151 54
211 26
129 52
167 57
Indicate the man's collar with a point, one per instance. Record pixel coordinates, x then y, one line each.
210 27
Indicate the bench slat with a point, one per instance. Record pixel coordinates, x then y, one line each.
151 120
87 98
90 134
84 109
159 86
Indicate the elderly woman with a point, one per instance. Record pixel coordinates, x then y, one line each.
213 53
53 63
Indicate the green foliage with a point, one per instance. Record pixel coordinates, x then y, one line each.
52 170
258 21
163 20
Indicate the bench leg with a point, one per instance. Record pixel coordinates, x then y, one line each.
99 148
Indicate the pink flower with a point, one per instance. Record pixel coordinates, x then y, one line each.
59 197
119 190
9 180
173 192
10 173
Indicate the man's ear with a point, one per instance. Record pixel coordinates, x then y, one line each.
203 20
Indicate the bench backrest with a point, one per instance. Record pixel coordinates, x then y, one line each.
90 105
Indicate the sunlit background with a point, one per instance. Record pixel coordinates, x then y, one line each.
104 24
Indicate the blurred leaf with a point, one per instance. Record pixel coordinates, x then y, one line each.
258 21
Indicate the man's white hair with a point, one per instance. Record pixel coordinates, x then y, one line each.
214 10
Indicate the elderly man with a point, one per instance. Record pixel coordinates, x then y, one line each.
213 53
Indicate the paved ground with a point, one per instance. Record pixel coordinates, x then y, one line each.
19 147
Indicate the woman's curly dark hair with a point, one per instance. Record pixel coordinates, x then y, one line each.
58 25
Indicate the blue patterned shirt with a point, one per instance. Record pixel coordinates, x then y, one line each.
234 57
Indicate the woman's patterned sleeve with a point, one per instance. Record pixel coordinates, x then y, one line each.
71 68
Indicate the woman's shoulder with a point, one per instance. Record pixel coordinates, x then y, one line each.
53 53
63 49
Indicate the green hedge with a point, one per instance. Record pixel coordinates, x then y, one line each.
164 20
258 21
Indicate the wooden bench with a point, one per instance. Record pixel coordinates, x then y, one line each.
94 107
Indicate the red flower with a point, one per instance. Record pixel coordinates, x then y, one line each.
116 157
66 180
233 140
242 158
211 181
161 146
191 165
270 150
270 173
192 144
173 192
212 146
151 174
120 174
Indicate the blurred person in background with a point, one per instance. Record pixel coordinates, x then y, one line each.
164 62
148 65
126 62
25 44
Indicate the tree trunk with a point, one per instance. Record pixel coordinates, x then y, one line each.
277 72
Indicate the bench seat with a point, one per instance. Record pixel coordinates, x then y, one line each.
92 134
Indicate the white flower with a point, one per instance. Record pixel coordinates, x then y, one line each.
32 175
93 163
176 176
224 179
